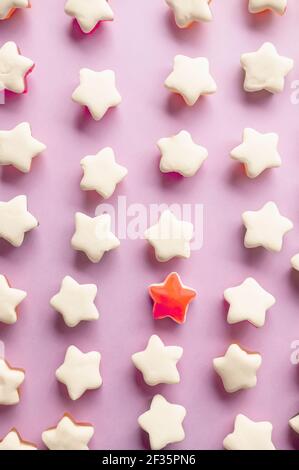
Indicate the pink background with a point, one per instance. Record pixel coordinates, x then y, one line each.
140 45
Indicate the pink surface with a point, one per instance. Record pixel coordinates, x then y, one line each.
140 45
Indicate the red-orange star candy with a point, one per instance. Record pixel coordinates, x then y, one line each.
171 298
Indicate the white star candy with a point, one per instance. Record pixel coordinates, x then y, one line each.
265 69
97 91
10 381
79 372
13 441
93 236
9 300
187 12
170 237
191 78
163 422
265 227
237 368
249 435
294 423
248 301
257 6
18 147
75 302
68 435
7 7
102 173
295 262
15 220
258 152
13 68
88 13
181 155
158 362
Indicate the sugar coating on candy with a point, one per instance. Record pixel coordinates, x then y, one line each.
18 147
10 299
265 69
257 6
171 298
75 302
15 220
13 441
237 368
158 363
191 78
170 237
7 7
294 423
68 435
89 13
258 152
180 154
102 173
265 227
93 236
80 372
10 381
97 91
187 12
13 68
295 262
249 435
248 301
163 422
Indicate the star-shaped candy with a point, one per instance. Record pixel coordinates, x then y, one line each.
295 262
265 69
191 78
93 236
68 435
294 423
257 6
18 147
7 7
187 12
97 91
237 368
10 381
75 302
9 300
158 362
170 237
15 220
181 155
13 441
13 68
249 435
89 13
258 152
80 372
248 301
171 298
163 422
265 227
102 173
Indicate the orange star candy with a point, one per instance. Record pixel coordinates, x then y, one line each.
171 298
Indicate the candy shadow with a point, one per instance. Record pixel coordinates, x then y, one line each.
184 35
76 33
84 121
293 438
257 21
